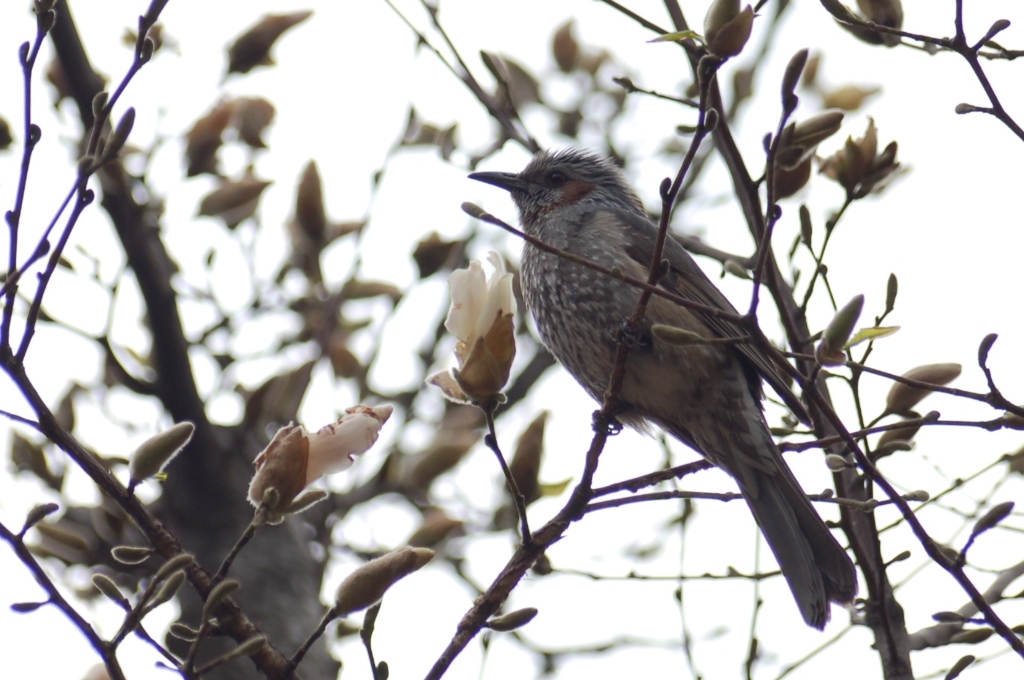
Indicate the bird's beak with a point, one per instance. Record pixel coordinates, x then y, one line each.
506 180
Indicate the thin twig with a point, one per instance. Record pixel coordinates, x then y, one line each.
491 440
301 652
102 647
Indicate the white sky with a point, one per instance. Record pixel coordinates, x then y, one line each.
951 230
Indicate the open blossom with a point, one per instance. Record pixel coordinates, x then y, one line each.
294 458
481 318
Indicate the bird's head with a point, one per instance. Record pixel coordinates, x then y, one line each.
554 180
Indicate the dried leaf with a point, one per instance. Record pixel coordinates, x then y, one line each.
457 433
432 253
252 116
525 465
29 457
565 48
277 400
252 48
849 97
6 139
309 205
234 202
357 290
205 138
436 527
344 363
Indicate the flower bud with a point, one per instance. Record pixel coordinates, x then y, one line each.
991 518
156 452
217 595
799 141
106 585
131 554
836 463
888 13
833 340
788 182
120 134
168 590
38 514
903 397
183 632
366 585
727 28
512 620
971 637
677 336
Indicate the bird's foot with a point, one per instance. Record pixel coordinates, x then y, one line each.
633 337
611 425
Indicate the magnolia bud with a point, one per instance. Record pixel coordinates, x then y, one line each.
512 620
367 584
156 452
727 28
903 397
836 463
993 517
131 554
833 340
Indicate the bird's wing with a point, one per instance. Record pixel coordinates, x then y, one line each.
688 280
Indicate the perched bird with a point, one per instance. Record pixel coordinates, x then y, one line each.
706 395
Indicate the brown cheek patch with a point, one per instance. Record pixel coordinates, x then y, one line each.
572 192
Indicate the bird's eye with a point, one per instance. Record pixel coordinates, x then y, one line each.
557 178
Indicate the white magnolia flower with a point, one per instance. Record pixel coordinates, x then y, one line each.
294 458
333 447
481 318
477 302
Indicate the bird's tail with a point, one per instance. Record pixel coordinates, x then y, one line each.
816 567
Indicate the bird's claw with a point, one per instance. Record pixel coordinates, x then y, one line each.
611 425
633 337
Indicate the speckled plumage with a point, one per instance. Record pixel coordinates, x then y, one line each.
708 396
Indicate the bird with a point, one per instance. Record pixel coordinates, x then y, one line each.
708 396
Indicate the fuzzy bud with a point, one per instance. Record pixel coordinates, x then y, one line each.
512 620
838 332
903 397
106 585
131 554
991 518
156 452
217 595
836 463
366 585
727 28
